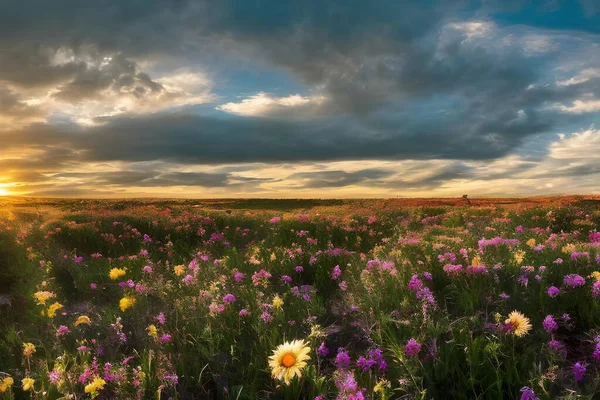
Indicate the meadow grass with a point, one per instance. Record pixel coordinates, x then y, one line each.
202 299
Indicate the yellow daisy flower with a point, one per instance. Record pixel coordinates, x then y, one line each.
519 324
288 360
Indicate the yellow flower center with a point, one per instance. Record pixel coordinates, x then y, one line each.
288 360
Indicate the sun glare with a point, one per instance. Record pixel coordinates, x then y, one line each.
4 192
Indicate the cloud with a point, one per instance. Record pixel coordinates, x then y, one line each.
264 104
338 178
581 106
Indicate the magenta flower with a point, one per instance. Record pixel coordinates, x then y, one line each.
275 220
54 376
323 351
574 280
337 272
239 276
148 269
286 279
62 330
299 269
579 370
228 298
596 353
166 338
549 324
412 348
342 360
558 347
93 286
415 283
553 291
161 319
266 317
243 312
528 394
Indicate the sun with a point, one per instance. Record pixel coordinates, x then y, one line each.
4 192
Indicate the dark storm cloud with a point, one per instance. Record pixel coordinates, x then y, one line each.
212 140
336 179
157 178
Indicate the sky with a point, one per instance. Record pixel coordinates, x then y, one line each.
290 99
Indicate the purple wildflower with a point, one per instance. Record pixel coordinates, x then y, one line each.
228 298
528 394
323 351
415 283
553 291
412 348
342 360
579 370
54 376
266 317
574 280
166 338
337 272
549 324
62 330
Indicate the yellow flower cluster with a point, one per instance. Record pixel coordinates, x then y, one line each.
519 255
27 383
152 331
53 308
179 270
116 273
595 275
6 383
96 386
84 319
530 242
28 349
126 303
43 296
277 302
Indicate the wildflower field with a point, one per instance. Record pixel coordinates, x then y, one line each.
378 299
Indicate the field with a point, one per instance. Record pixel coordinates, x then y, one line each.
300 299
